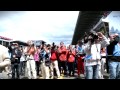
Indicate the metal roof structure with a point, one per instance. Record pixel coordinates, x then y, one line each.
5 38
85 22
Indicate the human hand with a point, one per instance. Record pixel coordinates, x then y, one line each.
100 34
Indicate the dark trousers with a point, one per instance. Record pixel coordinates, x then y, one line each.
71 68
15 70
22 67
64 65
37 67
107 66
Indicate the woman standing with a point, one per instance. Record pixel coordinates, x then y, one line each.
37 61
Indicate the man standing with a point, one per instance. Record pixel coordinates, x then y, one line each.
45 61
15 60
113 51
92 49
80 58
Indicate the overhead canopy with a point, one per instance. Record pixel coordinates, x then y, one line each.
86 21
20 43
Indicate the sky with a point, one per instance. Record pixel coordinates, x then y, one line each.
50 26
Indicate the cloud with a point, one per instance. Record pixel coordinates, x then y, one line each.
39 25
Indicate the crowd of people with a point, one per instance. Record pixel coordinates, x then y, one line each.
92 57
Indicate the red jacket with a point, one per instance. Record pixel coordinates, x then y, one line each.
71 56
54 55
62 54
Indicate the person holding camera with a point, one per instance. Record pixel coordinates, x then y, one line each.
113 54
93 44
45 61
80 58
37 60
15 60
30 65
71 60
62 52
54 61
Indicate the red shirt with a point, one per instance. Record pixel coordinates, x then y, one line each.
62 53
71 56
53 55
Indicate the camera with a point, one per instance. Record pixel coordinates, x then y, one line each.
92 36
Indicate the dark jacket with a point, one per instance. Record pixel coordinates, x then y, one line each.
17 54
110 49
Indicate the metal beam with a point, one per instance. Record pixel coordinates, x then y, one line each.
86 21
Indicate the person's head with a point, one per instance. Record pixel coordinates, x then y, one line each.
48 46
80 43
70 47
113 36
30 42
57 47
61 44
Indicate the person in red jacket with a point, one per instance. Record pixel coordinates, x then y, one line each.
71 60
62 51
54 61
80 58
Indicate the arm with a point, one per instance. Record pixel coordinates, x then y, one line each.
105 42
59 50
46 50
72 53
6 59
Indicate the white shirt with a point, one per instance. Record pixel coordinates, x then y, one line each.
94 50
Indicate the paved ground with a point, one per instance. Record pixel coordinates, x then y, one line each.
5 76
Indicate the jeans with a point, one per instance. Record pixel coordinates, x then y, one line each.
15 70
92 72
114 70
22 68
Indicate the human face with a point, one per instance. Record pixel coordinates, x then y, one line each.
30 42
61 44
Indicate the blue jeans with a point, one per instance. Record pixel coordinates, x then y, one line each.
114 70
92 72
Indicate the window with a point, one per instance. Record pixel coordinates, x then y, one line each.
0 42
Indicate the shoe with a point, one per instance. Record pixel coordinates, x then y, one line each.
52 77
73 75
40 77
60 77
